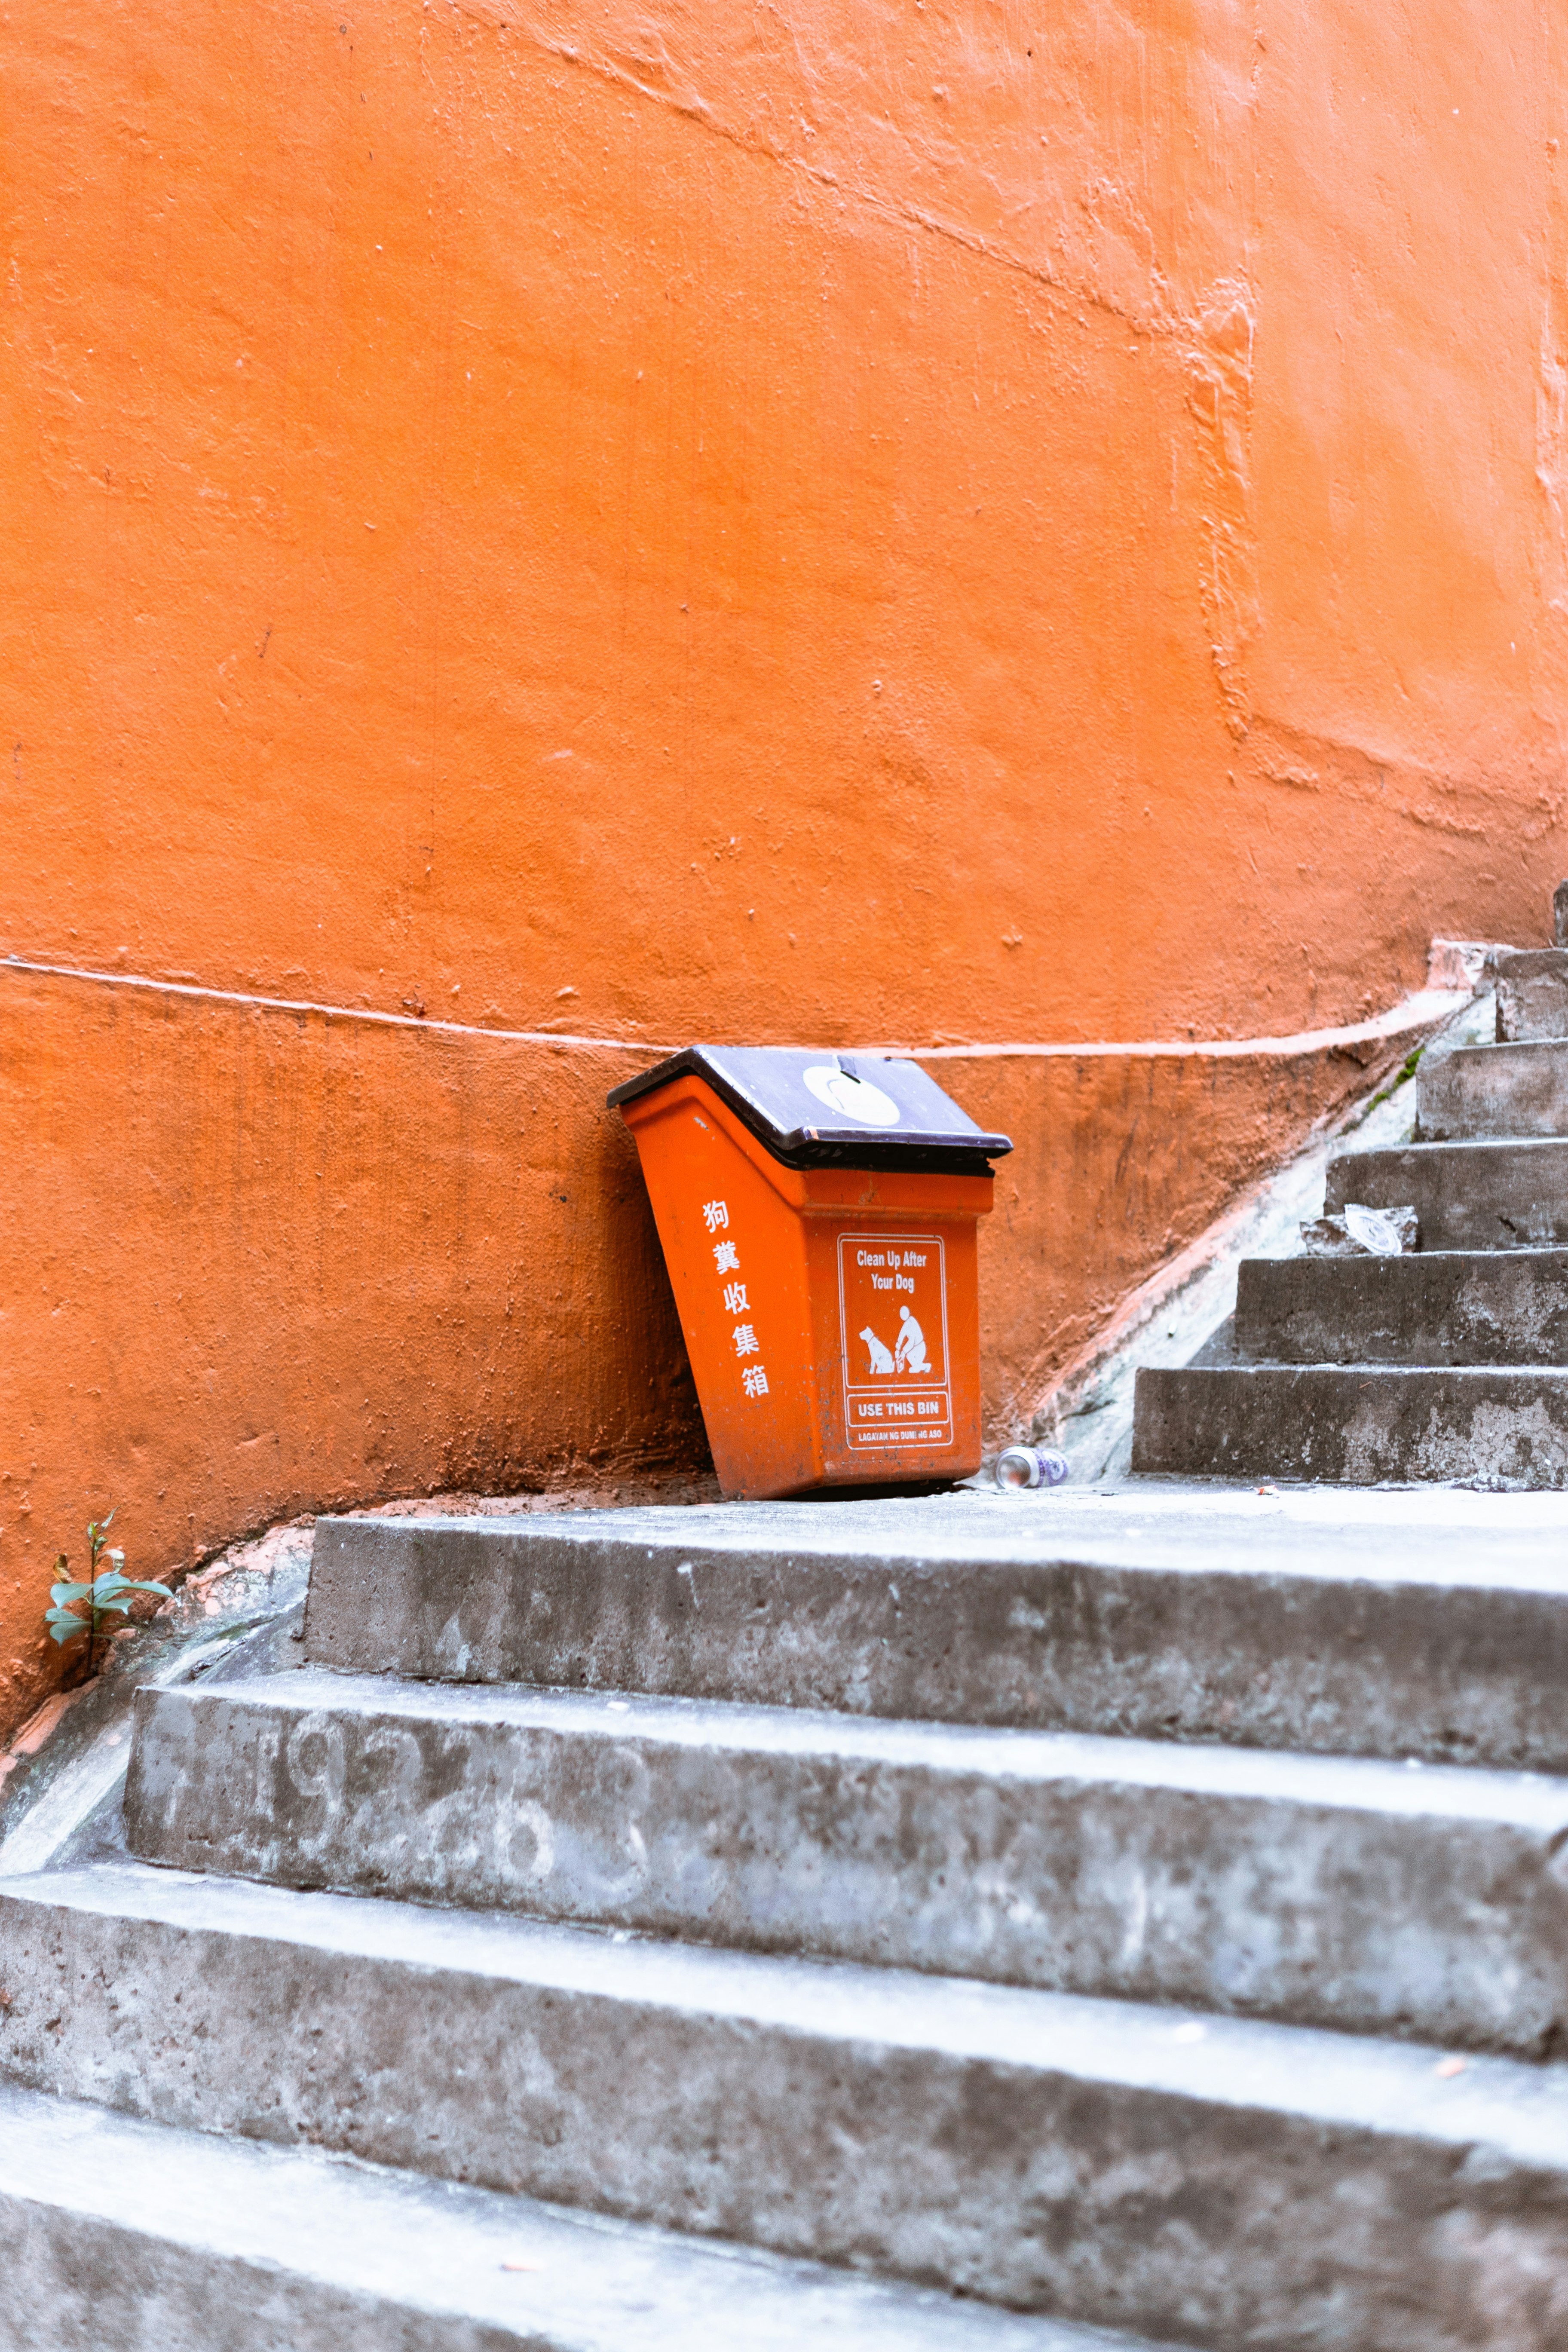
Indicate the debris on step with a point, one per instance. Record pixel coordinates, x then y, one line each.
1359 1231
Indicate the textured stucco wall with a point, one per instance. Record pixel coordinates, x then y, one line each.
841 522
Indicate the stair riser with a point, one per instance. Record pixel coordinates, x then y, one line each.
121 2235
70 2285
1451 1672
1468 1196
1358 1426
1481 1090
1469 1307
1171 2213
1533 995
1322 1914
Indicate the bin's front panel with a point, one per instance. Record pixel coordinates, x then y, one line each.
896 1384
896 1328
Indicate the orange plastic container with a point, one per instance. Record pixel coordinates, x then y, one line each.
824 1267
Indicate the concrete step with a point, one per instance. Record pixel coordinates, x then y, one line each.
1468 1196
1348 1893
125 2236
1531 995
1214 2180
1493 1090
1355 1424
1151 1614
1432 1308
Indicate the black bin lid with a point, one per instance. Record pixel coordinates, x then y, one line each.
828 1110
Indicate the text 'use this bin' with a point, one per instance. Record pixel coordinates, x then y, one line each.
818 1215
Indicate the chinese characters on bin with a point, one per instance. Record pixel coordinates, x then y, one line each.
727 1260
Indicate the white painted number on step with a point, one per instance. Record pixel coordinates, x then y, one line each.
715 1213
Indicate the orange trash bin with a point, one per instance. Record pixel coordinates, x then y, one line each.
818 1215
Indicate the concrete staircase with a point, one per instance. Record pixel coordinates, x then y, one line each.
863 1926
1449 1363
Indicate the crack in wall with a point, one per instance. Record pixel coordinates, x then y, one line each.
1219 400
1214 339
1159 319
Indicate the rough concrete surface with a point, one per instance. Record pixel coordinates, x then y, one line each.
124 2236
1338 1892
1172 2175
1449 1363
1171 2171
1088 1415
1440 1308
74 1750
1358 1423
1494 1090
1372 1625
1531 986
1468 1196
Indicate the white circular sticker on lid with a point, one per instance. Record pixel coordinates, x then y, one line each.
852 1097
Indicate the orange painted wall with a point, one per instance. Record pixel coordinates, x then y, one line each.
842 523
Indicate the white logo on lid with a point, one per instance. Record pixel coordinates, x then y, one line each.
852 1096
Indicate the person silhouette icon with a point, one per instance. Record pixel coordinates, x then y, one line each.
910 1348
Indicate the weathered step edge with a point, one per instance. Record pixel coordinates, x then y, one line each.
1452 1307
120 2235
1355 1424
1126 2166
1515 1089
1468 1196
1531 995
1374 1663
1347 1895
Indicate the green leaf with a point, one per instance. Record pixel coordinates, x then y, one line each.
111 1583
63 1627
60 1593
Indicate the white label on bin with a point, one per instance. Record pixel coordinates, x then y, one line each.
892 1335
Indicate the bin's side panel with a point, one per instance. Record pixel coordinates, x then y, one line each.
896 1335
736 1253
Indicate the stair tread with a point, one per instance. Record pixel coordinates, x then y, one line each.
1369 1368
1337 1535
1532 1801
582 2283
1517 2109
1538 1148
1345 1622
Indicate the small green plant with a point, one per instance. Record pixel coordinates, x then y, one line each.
103 1593
1402 1079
